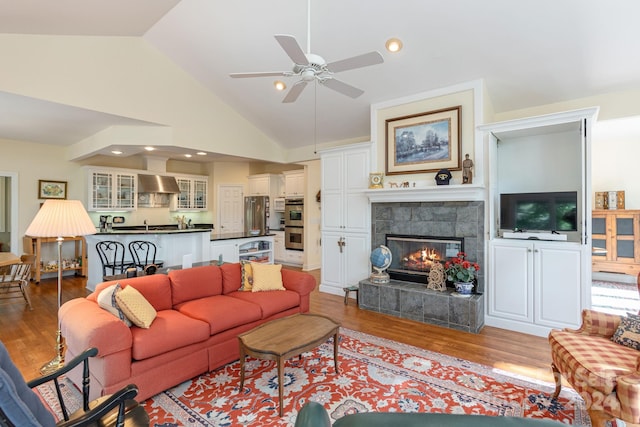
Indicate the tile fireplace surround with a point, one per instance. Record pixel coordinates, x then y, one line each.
462 219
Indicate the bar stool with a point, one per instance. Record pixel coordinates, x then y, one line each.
143 253
111 255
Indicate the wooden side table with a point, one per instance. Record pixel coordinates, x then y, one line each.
33 246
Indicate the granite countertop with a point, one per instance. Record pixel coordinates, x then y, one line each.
154 229
231 236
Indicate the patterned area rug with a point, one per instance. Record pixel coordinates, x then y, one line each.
615 297
375 375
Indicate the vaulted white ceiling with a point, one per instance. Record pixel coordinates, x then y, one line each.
528 53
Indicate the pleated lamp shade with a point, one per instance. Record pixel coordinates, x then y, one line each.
61 218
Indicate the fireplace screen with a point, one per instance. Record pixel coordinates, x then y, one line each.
413 256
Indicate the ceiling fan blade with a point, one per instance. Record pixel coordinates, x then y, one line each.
359 61
260 74
292 48
342 87
295 91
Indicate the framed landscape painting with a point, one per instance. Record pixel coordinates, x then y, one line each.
424 142
52 189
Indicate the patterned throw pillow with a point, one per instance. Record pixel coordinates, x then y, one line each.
247 276
136 307
628 332
107 301
267 277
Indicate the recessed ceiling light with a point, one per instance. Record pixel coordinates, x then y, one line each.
393 45
116 152
149 148
187 155
201 153
279 85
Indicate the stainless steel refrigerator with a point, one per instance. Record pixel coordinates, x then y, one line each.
256 214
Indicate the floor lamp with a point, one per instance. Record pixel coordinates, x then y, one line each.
59 218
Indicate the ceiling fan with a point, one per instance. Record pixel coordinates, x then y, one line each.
310 67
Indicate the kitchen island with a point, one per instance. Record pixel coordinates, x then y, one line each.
172 244
234 247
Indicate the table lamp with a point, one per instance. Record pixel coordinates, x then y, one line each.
59 218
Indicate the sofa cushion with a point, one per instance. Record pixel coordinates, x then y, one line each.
193 283
107 301
628 332
270 302
221 312
246 280
231 277
136 307
169 331
156 289
592 360
267 277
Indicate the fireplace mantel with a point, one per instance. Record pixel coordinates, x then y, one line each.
442 193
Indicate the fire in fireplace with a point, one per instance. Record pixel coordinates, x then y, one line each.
413 256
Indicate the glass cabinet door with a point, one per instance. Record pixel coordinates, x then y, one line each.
102 196
200 194
184 198
125 189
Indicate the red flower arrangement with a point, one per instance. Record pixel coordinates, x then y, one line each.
460 270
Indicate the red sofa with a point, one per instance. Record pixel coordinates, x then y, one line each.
200 312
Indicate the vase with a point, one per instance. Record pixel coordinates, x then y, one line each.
464 288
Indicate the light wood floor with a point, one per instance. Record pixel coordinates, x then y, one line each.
30 335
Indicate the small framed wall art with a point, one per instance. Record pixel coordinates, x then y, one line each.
424 142
48 189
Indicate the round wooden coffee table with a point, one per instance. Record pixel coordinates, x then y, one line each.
284 338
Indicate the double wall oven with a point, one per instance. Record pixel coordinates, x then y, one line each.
294 224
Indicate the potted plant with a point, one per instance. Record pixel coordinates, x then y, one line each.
461 272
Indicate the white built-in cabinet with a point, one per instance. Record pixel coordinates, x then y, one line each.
260 185
193 194
111 190
254 249
534 286
279 251
346 217
294 183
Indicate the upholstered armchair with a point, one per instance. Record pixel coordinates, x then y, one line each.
604 372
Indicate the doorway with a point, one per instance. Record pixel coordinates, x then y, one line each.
9 212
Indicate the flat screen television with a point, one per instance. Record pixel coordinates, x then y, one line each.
549 211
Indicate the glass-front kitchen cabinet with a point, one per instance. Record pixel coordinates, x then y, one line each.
193 193
111 190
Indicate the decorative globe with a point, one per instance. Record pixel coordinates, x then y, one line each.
381 258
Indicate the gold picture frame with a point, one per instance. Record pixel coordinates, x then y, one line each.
424 142
48 189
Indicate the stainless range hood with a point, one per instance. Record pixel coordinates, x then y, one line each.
157 184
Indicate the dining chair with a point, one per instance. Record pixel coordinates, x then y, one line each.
143 253
14 281
111 255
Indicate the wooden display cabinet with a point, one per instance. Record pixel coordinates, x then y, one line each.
616 241
33 246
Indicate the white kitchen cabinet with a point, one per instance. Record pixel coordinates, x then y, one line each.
293 257
294 183
279 253
535 285
255 249
227 249
193 194
346 217
345 260
111 190
261 185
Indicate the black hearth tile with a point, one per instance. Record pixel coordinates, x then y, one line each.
411 304
459 311
369 296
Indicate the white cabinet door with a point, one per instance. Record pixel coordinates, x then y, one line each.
557 284
294 184
332 276
509 294
279 253
228 249
356 258
259 185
